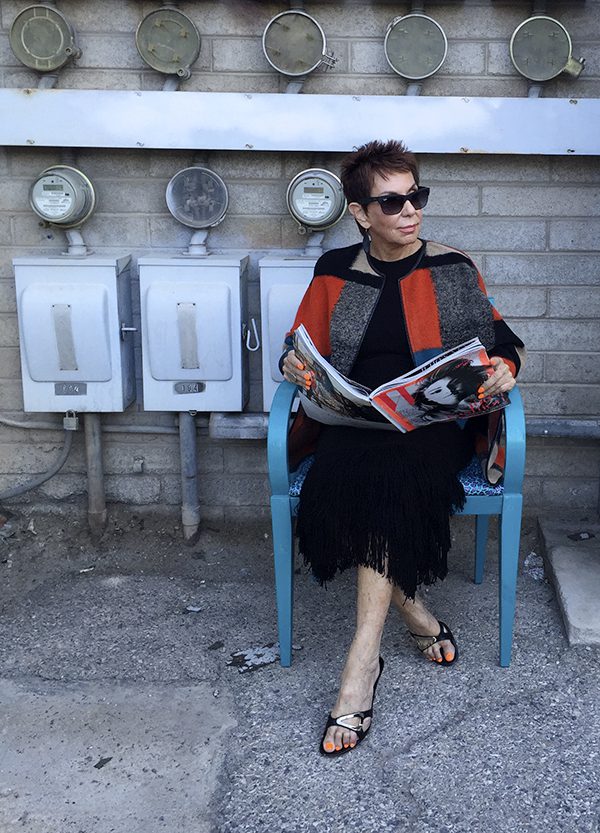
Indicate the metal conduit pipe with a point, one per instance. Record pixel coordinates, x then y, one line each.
41 478
108 429
95 473
190 504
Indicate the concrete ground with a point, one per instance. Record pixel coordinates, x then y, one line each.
119 711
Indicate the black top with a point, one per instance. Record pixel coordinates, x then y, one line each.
385 352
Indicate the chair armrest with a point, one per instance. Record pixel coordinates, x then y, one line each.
514 470
277 437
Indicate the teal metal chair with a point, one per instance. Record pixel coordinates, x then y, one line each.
483 500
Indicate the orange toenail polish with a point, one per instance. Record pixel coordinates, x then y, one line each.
346 745
448 657
329 746
337 748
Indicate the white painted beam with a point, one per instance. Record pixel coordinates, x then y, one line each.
277 122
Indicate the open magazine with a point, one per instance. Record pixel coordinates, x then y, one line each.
443 388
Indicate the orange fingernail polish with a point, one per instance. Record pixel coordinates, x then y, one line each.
479 396
480 389
300 366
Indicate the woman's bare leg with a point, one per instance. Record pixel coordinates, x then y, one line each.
419 620
374 594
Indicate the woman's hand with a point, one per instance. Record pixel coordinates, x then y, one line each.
294 371
501 380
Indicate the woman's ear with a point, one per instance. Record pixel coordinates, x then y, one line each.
360 215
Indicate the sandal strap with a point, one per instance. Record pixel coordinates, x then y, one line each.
426 641
343 721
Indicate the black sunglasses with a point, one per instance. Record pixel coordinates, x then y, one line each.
394 203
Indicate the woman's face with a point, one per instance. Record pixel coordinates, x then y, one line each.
392 235
441 393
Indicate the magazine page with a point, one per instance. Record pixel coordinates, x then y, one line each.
331 398
444 392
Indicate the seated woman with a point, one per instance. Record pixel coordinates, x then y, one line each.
380 500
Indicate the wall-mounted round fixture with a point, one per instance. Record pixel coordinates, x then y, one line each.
168 41
63 196
43 39
540 49
415 46
315 198
197 197
294 44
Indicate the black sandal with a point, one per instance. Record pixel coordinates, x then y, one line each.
342 722
425 642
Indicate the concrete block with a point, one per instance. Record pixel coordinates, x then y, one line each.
321 83
564 400
27 458
571 494
575 303
257 198
14 195
459 200
571 169
549 458
239 55
163 164
247 232
30 232
118 50
574 567
519 301
214 82
486 86
9 333
8 297
243 490
132 196
574 234
20 78
547 268
232 165
134 490
533 370
75 78
3 161
498 59
10 363
370 21
166 232
565 367
480 21
540 201
245 457
479 169
118 163
63 486
558 335
4 231
368 57
464 58
122 17
116 231
484 234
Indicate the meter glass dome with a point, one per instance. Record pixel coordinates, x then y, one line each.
315 198
540 48
415 46
42 38
294 43
197 197
63 196
168 41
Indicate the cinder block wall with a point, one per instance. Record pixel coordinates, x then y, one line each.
532 224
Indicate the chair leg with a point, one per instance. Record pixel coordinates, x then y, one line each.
482 524
284 573
508 540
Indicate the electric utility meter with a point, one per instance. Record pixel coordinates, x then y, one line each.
294 44
168 41
415 46
63 196
197 197
316 199
43 39
540 49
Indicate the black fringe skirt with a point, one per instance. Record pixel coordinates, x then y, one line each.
383 499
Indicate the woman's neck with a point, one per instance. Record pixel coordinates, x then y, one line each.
393 253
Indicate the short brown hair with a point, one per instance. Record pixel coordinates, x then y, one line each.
360 167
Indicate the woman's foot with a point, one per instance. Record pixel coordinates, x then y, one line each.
420 621
355 695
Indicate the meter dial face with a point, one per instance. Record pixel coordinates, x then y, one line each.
415 46
42 38
294 43
540 48
63 196
315 198
168 41
197 197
